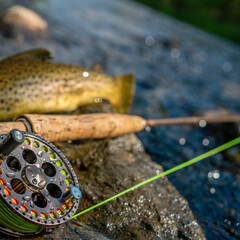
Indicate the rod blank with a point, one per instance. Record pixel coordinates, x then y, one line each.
193 120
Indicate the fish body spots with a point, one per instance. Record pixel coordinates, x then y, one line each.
33 86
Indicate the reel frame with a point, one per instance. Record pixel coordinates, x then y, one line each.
48 205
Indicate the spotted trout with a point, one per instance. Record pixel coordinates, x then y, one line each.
29 83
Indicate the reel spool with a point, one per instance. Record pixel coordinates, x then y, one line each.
38 187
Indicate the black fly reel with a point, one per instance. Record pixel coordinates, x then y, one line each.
38 187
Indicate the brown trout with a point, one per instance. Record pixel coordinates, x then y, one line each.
31 84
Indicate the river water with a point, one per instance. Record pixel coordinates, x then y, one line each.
180 71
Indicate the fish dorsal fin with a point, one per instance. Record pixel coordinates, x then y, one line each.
37 54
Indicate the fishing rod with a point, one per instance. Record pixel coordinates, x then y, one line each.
99 125
39 189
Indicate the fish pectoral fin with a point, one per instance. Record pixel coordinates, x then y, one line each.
37 54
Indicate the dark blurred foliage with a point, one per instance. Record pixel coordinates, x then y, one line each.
221 17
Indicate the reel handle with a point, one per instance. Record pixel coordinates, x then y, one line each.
11 141
99 125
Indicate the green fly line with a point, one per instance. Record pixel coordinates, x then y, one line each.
10 220
203 156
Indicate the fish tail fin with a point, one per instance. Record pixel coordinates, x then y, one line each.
126 89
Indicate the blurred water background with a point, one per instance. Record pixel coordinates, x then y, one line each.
217 16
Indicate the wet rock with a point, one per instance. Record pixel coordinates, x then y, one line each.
107 167
20 22
75 230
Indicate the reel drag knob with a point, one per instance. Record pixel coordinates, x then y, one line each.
72 194
11 141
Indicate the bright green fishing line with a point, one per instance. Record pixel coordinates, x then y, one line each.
12 221
212 152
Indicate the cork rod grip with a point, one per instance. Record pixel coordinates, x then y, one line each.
100 125
6 127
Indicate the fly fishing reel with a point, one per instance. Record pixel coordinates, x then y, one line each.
38 186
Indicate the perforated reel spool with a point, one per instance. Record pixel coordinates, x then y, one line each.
38 184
